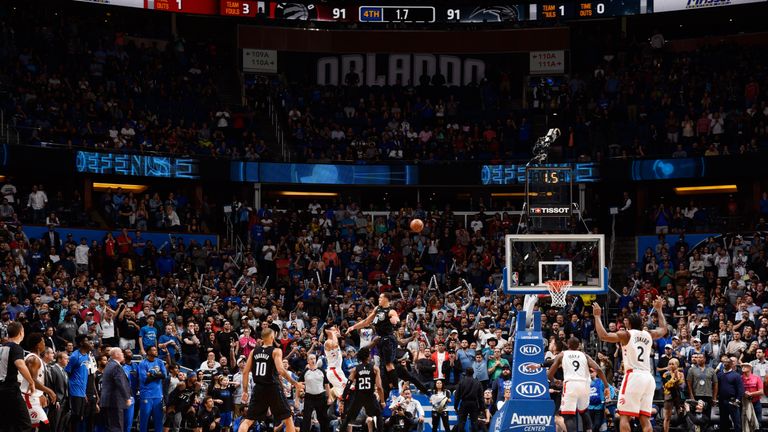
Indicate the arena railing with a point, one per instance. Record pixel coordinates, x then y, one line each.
277 125
8 132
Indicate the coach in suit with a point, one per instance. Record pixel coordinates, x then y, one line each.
60 384
115 392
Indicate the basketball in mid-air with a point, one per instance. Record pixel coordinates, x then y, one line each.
417 225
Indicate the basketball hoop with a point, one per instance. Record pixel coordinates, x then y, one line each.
558 289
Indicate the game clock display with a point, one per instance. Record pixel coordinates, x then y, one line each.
405 14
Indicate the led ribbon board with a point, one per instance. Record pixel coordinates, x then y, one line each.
136 165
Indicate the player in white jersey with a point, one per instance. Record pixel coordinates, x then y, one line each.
638 386
36 401
333 372
576 384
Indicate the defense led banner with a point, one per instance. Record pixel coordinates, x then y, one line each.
586 172
136 165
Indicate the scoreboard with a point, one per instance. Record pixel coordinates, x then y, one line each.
548 197
586 9
440 12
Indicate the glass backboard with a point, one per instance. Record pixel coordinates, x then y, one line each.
533 259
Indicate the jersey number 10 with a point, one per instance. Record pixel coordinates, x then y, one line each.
260 369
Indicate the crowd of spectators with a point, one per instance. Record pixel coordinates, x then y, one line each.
147 211
643 102
662 101
101 88
82 82
36 204
306 271
150 211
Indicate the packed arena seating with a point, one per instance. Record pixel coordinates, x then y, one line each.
38 205
106 89
706 102
642 103
309 270
318 264
85 83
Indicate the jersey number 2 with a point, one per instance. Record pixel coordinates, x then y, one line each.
640 355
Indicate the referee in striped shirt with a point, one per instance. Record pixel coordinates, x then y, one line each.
317 393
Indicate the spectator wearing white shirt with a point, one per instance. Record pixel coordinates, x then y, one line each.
722 262
716 124
127 132
477 224
171 219
81 255
222 119
696 265
9 192
412 406
738 279
37 202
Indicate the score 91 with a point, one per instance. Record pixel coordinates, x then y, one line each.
339 13
453 14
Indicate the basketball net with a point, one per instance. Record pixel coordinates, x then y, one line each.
558 289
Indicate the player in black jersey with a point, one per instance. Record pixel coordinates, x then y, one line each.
384 319
266 365
366 380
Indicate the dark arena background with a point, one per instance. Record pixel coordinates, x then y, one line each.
448 187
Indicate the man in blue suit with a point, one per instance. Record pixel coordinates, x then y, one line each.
115 392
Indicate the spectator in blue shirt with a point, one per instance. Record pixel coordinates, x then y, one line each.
14 308
152 373
480 368
465 355
169 344
80 365
165 264
148 335
350 361
596 401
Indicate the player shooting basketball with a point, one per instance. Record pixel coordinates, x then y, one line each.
384 319
636 395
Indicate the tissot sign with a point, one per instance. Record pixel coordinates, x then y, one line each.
535 210
398 69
